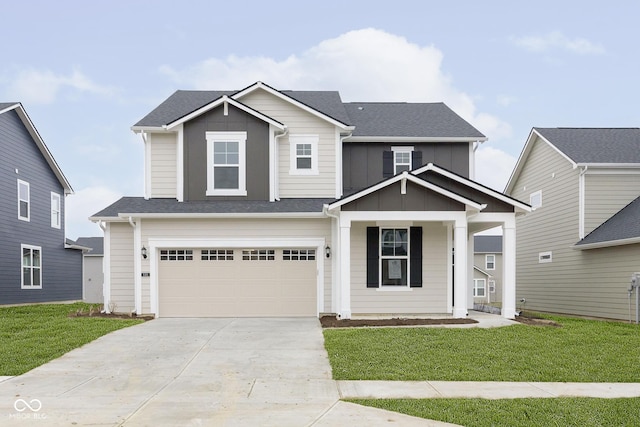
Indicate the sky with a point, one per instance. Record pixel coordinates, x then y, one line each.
86 71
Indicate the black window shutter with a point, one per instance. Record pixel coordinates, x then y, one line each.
416 159
373 250
387 164
415 256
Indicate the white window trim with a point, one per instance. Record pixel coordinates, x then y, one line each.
56 197
381 258
241 138
534 195
28 200
402 149
545 257
476 287
486 262
492 286
22 248
294 140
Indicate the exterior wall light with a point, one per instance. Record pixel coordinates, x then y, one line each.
327 251
144 252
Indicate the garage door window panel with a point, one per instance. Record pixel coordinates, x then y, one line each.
299 254
258 255
216 255
176 255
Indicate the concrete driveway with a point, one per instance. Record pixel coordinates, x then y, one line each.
191 372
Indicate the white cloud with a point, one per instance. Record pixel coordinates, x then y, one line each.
83 204
505 100
364 65
493 167
43 86
557 40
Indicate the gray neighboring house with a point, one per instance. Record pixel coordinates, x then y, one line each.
92 269
487 275
577 251
37 263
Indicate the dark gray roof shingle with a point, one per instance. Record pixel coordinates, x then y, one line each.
408 120
625 224
596 145
138 205
95 243
487 244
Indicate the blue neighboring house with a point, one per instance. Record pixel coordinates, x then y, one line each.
37 262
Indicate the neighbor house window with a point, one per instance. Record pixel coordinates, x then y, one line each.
490 262
24 203
56 217
304 154
479 287
492 286
226 163
544 257
535 199
401 159
31 267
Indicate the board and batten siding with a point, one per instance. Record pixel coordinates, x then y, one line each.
122 270
587 283
300 122
606 194
202 229
163 164
430 298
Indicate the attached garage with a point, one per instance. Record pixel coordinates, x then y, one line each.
237 282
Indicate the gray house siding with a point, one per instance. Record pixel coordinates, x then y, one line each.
195 153
362 162
61 268
588 283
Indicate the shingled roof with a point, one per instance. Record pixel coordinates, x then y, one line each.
371 119
623 226
595 145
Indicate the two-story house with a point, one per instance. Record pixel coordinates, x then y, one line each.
578 249
261 202
487 271
37 262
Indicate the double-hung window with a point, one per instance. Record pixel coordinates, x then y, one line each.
490 262
24 201
479 287
394 256
226 163
303 154
401 159
56 210
31 267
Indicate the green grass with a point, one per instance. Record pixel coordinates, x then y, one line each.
579 351
35 334
579 412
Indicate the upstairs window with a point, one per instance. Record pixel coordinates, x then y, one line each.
303 155
56 210
24 203
490 262
31 267
400 159
226 164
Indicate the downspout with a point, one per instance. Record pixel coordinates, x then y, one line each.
581 198
276 173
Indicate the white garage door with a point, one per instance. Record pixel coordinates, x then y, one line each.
221 282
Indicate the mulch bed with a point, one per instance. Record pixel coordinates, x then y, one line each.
333 322
111 316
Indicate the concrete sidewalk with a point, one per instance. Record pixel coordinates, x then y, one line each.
481 389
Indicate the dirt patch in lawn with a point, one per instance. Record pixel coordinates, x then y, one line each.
111 315
334 322
535 321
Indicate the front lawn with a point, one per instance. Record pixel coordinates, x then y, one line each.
35 334
583 412
578 351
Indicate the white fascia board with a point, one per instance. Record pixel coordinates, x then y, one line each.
216 103
405 139
476 186
602 167
482 271
138 129
282 96
607 244
154 215
415 180
26 121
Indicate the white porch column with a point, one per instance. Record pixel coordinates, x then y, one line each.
470 261
345 269
509 270
460 284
